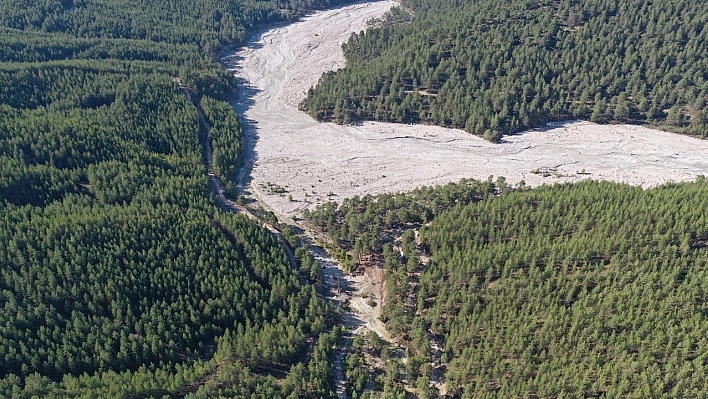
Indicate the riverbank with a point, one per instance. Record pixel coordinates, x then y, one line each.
294 162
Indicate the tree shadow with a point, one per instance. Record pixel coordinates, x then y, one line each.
243 101
231 59
543 128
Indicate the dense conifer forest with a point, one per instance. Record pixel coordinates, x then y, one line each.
119 276
593 289
495 68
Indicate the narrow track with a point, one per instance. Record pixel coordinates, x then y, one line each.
217 186
363 318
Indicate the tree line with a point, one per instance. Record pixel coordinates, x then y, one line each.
497 68
592 289
119 277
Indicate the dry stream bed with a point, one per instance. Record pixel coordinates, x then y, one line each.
292 162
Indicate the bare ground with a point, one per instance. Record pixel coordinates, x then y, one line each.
349 291
315 162
356 291
310 163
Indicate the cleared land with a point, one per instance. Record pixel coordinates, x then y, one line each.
294 163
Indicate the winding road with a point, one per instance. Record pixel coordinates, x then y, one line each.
217 185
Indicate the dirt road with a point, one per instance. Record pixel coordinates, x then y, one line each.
217 185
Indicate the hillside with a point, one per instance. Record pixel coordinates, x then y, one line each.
119 275
592 289
496 68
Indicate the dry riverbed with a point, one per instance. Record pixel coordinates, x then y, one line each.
296 163
293 162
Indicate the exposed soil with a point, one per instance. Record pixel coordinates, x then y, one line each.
292 162
316 162
353 293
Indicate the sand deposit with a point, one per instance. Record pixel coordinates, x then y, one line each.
295 162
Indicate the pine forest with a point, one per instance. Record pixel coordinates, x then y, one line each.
496 68
128 271
581 290
120 277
